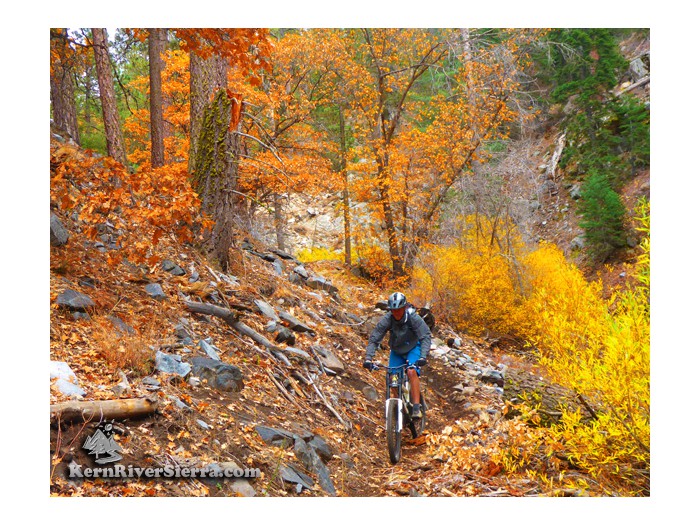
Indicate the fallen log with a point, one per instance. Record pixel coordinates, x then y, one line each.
209 309
637 84
103 410
552 168
232 319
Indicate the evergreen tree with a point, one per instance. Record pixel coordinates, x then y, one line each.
604 133
602 212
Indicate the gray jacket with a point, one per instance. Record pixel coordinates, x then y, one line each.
405 335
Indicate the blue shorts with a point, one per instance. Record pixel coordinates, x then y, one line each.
410 358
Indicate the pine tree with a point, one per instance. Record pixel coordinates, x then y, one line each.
110 114
602 212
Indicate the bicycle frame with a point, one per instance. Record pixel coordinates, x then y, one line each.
396 377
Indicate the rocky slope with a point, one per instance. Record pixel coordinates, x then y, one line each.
274 382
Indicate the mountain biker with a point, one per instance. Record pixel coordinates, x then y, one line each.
409 343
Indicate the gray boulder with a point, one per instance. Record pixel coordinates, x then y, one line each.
319 283
294 323
285 256
69 389
290 474
74 300
183 334
209 349
120 325
170 267
150 383
155 291
638 67
295 278
59 234
275 436
370 393
321 447
300 270
219 375
180 404
171 364
61 370
285 336
578 243
298 353
313 463
267 310
194 277
65 379
575 191
241 487
89 282
329 359
347 460
264 256
494 377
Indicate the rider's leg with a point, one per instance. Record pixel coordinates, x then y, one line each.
396 361
414 384
413 374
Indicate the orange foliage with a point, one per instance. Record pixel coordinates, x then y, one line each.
410 149
64 51
176 113
283 116
246 49
142 206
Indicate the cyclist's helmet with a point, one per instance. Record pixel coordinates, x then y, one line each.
396 300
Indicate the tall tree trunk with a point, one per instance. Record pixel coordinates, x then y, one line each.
215 174
279 222
394 249
65 113
113 131
86 115
156 47
206 77
346 190
465 34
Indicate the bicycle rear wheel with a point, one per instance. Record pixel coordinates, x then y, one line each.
417 426
393 431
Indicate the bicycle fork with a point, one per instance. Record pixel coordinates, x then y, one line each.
400 415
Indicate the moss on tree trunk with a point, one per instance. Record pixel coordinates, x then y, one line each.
215 174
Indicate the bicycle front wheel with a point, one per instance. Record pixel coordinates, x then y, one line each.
393 430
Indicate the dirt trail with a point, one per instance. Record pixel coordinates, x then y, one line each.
417 473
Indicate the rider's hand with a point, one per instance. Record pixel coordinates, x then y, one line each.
369 365
421 362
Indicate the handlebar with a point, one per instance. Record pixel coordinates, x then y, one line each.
377 366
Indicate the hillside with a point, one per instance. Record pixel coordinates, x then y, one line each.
119 337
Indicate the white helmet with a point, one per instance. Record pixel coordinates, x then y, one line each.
396 300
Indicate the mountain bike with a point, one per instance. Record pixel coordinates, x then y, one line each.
398 409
